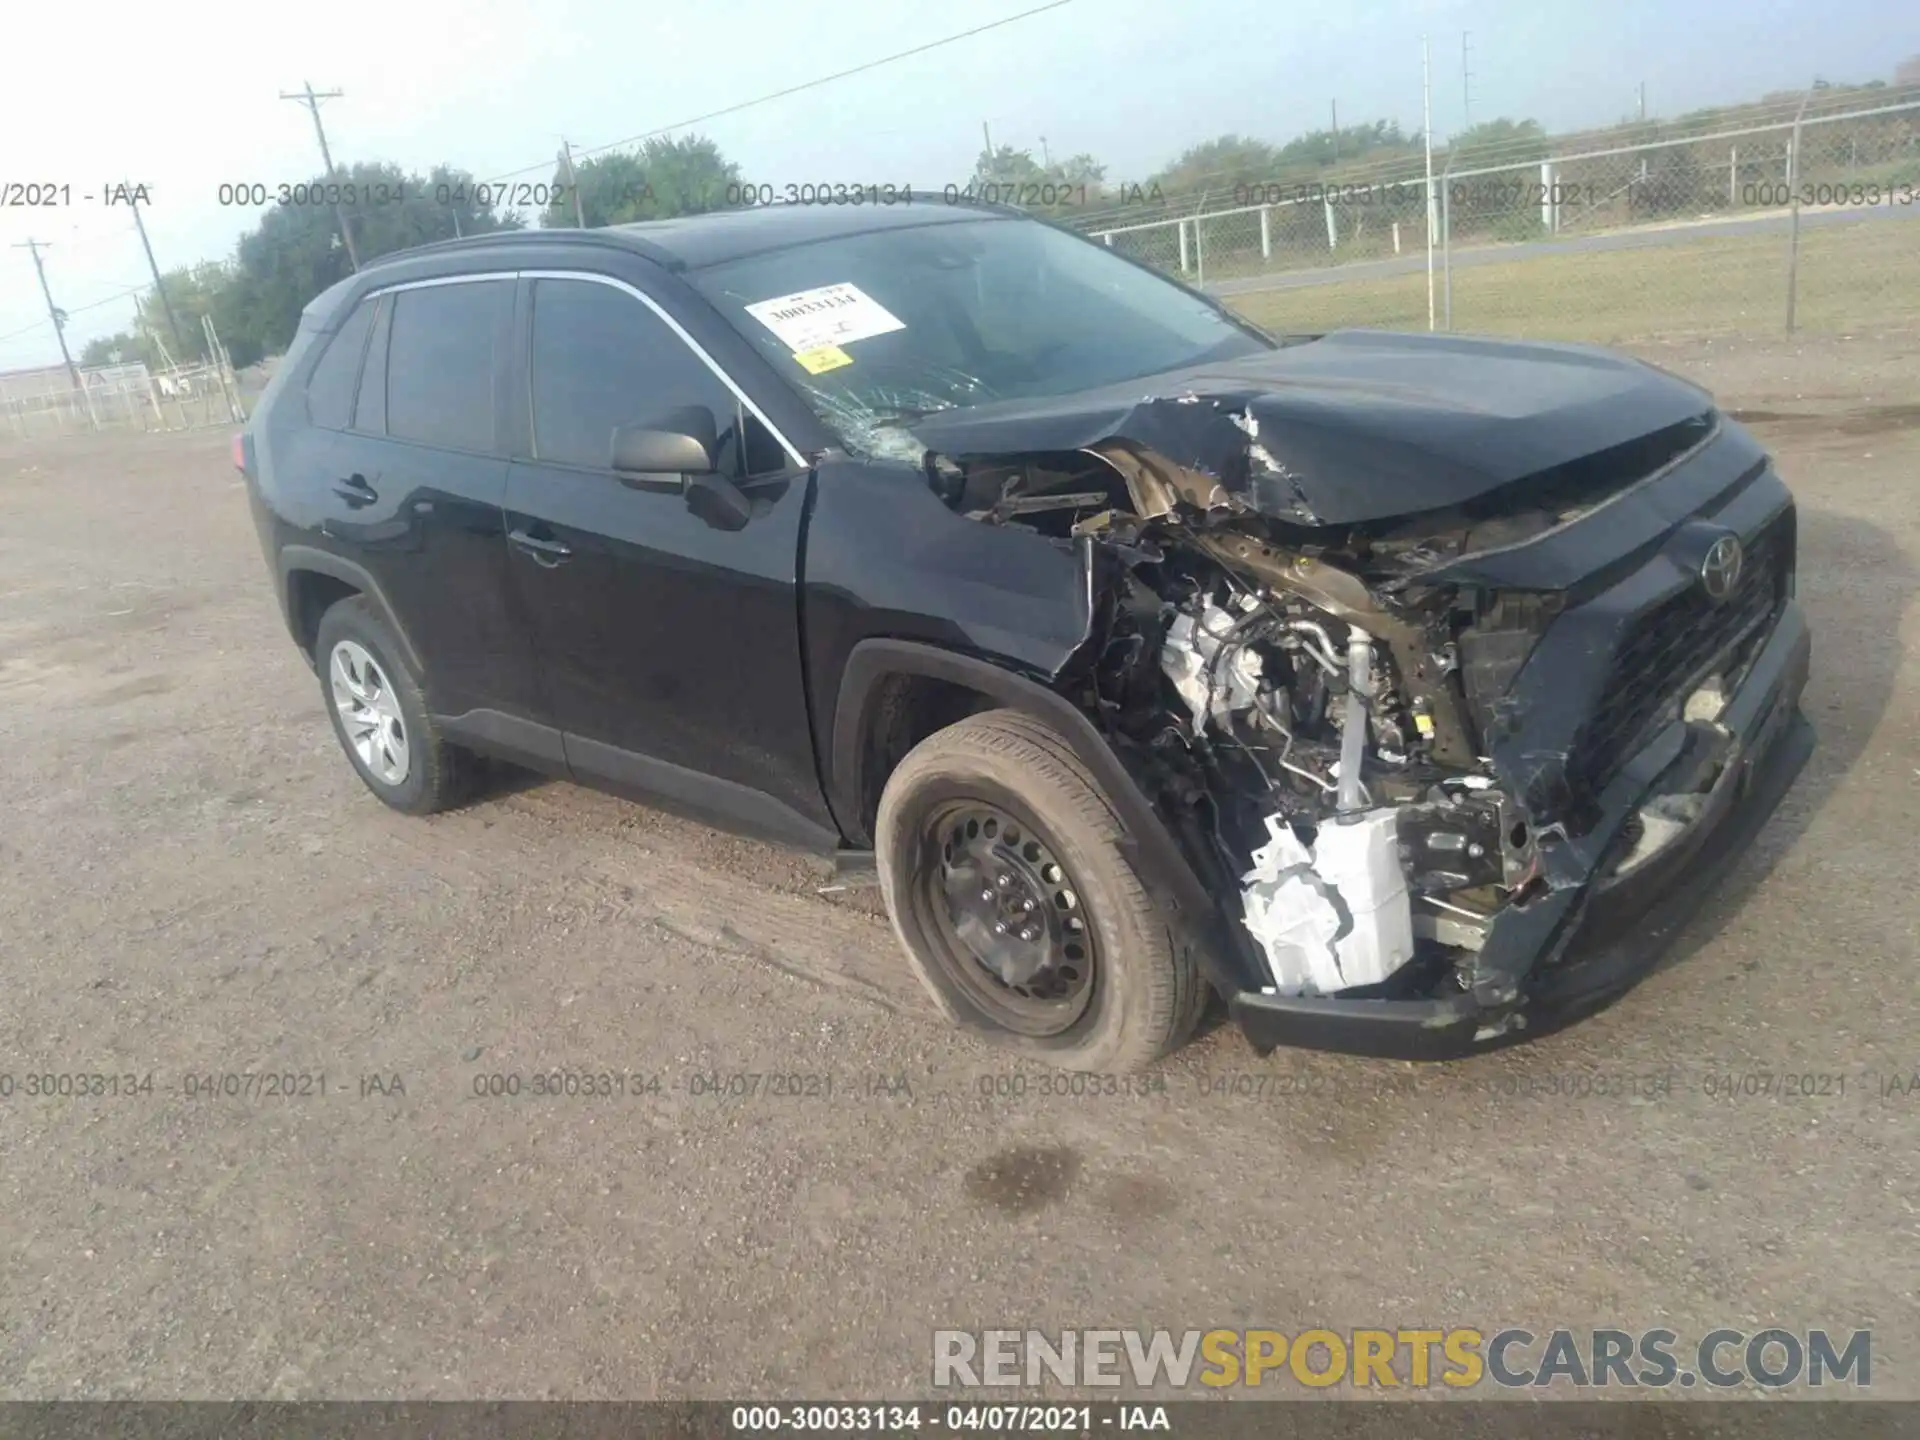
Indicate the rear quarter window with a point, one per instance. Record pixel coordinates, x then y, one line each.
330 387
370 410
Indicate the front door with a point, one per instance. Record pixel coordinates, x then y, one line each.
669 649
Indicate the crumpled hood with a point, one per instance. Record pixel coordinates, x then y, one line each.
1355 426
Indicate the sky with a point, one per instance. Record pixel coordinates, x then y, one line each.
181 99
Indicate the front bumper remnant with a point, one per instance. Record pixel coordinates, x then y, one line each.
1576 950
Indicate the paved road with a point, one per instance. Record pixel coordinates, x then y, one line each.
192 882
1466 258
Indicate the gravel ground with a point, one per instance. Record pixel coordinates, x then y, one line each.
192 882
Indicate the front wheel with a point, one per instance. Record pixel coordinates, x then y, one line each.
1001 864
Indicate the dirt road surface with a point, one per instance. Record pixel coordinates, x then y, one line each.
194 884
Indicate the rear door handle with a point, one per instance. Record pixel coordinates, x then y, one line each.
356 491
544 552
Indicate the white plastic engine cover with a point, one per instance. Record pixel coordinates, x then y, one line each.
1334 917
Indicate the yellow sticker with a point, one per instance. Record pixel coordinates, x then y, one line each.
825 357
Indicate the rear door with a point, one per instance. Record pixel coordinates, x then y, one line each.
670 650
419 476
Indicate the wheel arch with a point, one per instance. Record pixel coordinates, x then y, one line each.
312 580
876 663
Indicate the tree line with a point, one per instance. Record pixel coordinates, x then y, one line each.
255 297
297 250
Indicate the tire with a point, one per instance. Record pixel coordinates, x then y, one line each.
434 774
1142 991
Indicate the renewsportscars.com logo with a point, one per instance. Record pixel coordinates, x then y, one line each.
1458 1358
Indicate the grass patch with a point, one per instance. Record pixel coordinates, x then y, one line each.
1852 277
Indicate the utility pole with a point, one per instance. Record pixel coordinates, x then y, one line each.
1794 173
987 140
1046 159
1333 112
54 312
573 184
1466 85
1643 99
173 324
1426 126
311 100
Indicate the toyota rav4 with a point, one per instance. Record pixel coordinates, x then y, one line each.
1406 690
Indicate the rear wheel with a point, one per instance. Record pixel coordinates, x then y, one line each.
1000 860
380 714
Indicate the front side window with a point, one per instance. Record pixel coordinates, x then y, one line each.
602 360
942 316
440 364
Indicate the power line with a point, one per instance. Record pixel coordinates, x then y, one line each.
311 98
74 240
112 299
795 89
117 296
24 330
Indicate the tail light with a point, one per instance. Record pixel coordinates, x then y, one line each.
239 450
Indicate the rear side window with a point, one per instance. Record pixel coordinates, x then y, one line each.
440 364
330 391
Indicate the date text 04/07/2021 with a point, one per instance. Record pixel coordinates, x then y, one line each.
484 195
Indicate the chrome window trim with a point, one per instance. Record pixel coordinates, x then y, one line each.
474 279
645 299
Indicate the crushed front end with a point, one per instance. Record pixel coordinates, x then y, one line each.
1631 686
1455 776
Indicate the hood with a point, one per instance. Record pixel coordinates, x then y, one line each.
1353 426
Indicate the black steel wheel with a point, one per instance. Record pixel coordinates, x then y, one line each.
1013 919
1010 883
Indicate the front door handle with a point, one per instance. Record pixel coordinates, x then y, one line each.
356 491
544 552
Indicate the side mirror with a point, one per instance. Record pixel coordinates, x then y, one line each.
683 442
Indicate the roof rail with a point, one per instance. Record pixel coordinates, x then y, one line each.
606 237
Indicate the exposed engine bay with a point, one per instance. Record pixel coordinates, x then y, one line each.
1292 699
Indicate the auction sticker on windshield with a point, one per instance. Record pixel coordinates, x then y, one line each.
830 315
818 362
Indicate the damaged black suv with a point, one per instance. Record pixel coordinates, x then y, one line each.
1404 689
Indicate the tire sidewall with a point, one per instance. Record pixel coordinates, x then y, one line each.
350 620
1091 859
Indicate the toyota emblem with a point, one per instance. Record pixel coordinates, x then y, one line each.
1720 571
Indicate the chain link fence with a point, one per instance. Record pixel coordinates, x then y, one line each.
1808 221
118 397
58 401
